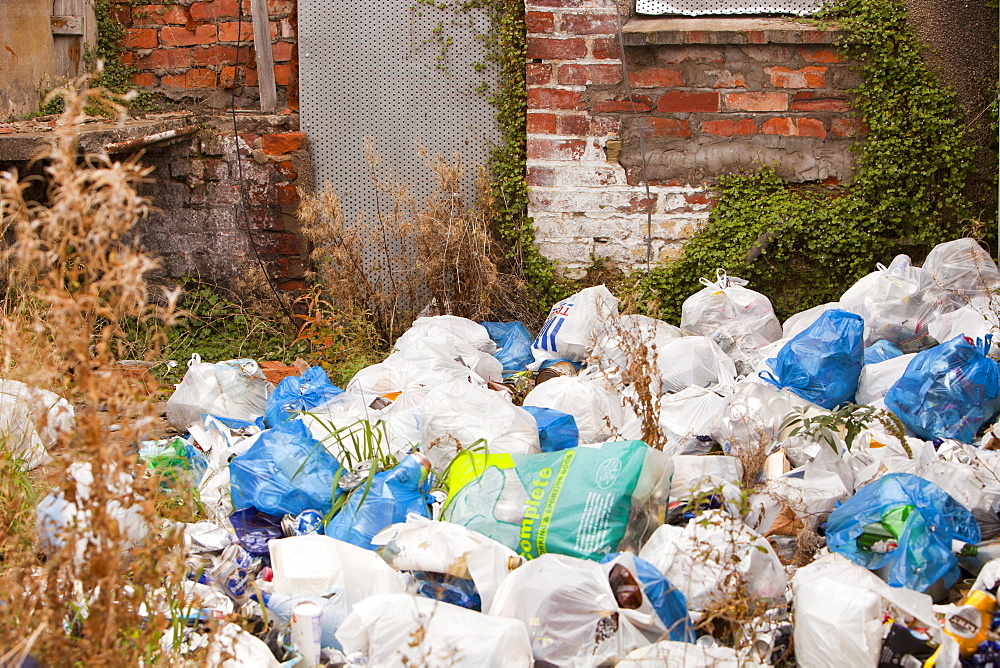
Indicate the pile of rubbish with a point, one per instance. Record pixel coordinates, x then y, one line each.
616 490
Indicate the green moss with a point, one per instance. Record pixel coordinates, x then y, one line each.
804 246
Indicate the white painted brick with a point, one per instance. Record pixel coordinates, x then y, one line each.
569 252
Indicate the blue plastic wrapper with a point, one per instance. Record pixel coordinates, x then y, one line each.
823 362
285 471
295 394
881 351
390 497
923 543
255 530
948 391
556 430
513 343
457 591
667 600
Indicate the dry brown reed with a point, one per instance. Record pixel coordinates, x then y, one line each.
71 276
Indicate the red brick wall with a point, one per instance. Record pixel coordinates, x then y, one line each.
713 96
199 49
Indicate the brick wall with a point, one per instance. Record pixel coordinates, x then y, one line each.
198 229
199 50
712 96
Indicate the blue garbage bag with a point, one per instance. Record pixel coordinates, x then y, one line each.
513 343
823 362
881 351
948 391
390 497
667 600
906 523
255 530
286 470
295 394
556 430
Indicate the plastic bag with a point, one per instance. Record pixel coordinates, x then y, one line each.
176 460
584 502
881 351
575 324
598 412
962 269
626 336
391 496
897 302
689 414
673 654
421 544
286 470
458 415
316 565
667 601
754 412
948 391
839 610
803 319
822 363
737 318
229 389
31 420
383 628
556 430
513 345
978 318
571 611
691 360
711 556
906 524
296 394
876 379
472 333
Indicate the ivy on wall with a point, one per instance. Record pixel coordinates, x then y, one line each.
804 245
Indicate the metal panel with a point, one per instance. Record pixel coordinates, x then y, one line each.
376 70
705 7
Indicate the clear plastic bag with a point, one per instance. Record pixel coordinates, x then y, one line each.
737 318
230 389
962 269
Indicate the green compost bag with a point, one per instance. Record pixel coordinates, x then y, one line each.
584 502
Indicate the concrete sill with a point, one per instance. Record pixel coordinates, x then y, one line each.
645 31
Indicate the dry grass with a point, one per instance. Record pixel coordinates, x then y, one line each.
442 255
70 278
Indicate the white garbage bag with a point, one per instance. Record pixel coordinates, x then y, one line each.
876 379
575 325
691 413
457 415
691 360
231 389
317 565
737 318
975 319
628 335
401 630
754 414
448 325
962 269
897 302
425 362
570 610
714 557
420 544
233 647
839 608
673 654
599 413
31 420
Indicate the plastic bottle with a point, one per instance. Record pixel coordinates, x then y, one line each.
970 623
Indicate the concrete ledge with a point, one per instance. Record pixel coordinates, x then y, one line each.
644 31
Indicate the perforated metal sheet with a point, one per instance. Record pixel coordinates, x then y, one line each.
367 70
706 7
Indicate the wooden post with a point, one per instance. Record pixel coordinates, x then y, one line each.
265 61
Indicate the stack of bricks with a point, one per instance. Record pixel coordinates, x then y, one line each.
707 102
198 49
